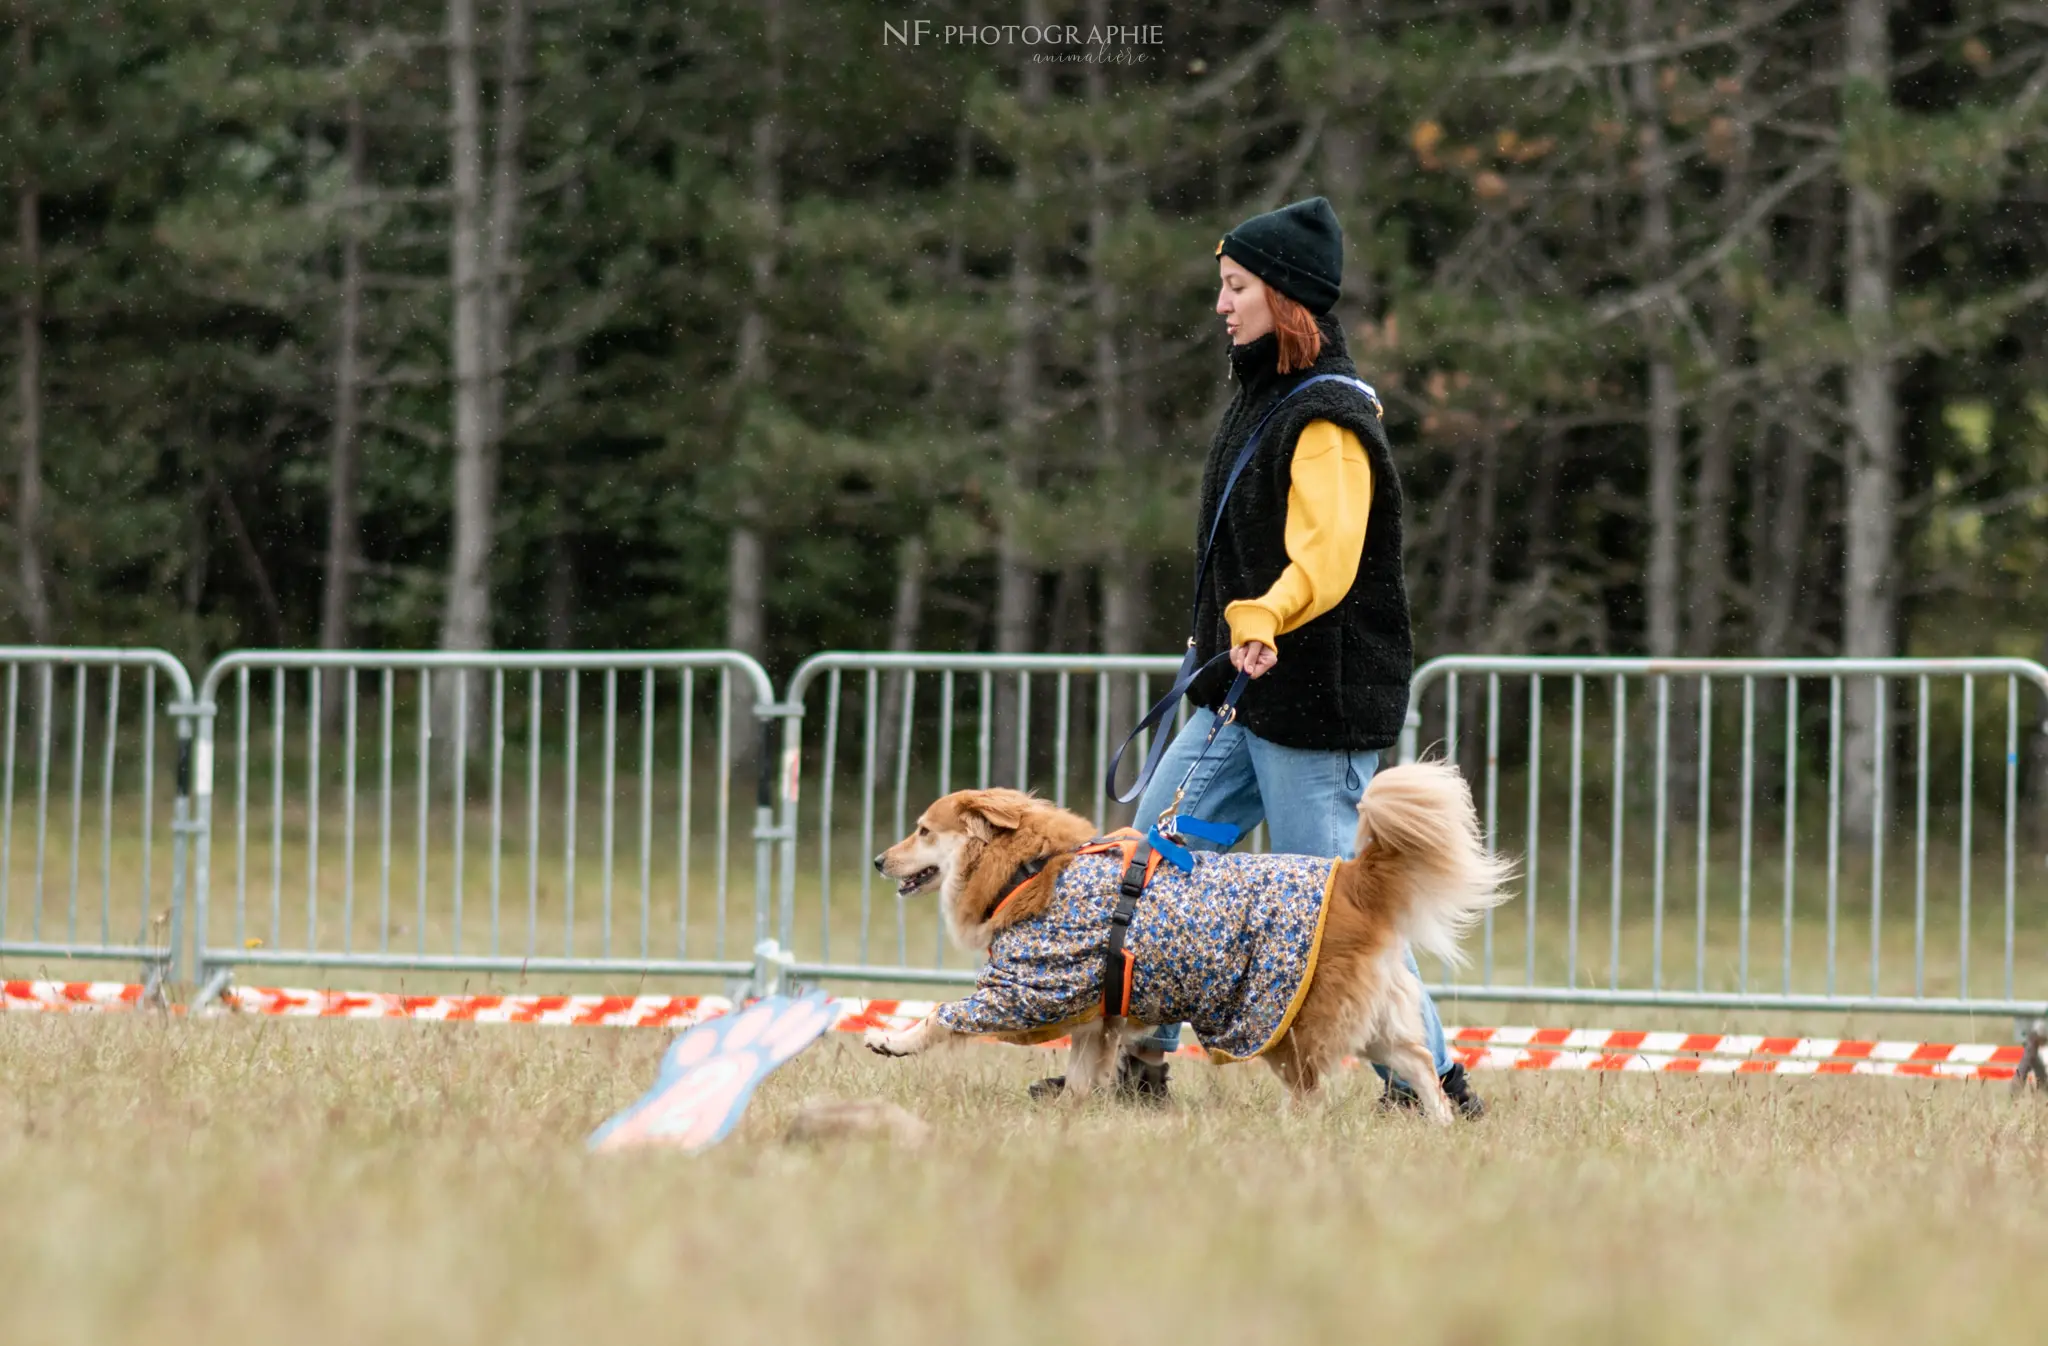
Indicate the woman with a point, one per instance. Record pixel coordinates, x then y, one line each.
1304 584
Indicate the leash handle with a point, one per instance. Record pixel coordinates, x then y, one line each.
1155 717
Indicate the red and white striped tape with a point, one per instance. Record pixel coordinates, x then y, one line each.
1581 1049
69 995
1482 1058
858 1016
1725 1054
594 1010
607 1011
1673 1053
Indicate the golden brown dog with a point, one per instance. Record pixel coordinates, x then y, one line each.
1423 876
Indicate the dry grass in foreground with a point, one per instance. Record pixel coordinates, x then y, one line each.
349 1183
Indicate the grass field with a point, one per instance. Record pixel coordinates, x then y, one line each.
177 1181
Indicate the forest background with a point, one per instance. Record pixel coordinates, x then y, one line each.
1702 328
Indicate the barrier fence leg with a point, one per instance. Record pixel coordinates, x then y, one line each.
1410 728
182 828
771 973
194 818
213 988
765 832
772 837
790 714
2031 1071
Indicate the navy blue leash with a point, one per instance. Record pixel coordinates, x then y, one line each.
1170 824
1155 717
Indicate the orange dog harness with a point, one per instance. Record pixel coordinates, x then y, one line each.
1140 860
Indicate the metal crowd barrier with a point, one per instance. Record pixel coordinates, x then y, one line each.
1783 834
357 837
91 882
1775 911
1730 828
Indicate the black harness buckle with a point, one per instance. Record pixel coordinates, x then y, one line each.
1116 960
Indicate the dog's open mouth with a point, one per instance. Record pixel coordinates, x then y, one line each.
917 881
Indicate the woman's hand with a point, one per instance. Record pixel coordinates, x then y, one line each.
1253 658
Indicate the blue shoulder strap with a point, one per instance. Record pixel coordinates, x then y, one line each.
1244 457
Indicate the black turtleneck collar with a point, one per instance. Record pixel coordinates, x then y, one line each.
1255 363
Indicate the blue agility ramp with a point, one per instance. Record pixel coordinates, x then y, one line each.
708 1076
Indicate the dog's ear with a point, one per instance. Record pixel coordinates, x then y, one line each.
990 811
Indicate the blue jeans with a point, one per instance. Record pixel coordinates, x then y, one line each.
1307 797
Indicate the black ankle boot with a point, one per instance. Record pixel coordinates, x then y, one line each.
1048 1088
1135 1081
1142 1081
1457 1087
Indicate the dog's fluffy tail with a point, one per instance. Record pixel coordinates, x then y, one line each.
1420 819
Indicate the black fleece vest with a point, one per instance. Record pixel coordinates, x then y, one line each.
1342 679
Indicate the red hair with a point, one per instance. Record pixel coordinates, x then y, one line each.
1301 341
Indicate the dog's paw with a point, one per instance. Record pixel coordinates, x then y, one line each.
882 1042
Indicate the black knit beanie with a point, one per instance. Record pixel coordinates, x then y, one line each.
1297 249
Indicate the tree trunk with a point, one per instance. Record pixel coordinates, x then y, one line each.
1663 432
1789 512
1786 606
1663 436
251 558
746 593
1544 498
344 543
1712 526
1869 595
746 585
28 504
1342 145
1661 600
1120 575
192 580
501 245
1449 600
466 615
912 557
485 249
905 618
1016 574
1478 635
1123 583
1067 625
2037 732
963 176
746 606
558 598
1479 565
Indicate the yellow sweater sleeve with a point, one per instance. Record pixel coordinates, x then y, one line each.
1329 496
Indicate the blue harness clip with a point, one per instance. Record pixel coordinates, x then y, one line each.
1162 834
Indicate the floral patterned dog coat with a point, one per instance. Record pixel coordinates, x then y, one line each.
1228 947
